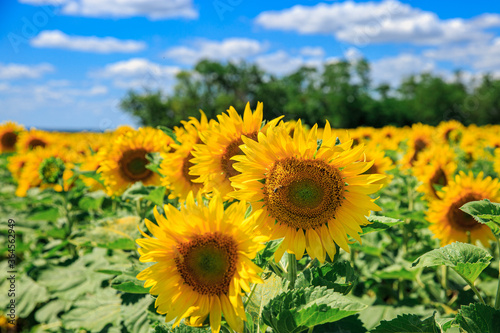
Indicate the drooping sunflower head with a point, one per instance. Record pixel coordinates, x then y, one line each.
449 223
202 257
33 139
312 196
213 163
435 169
9 132
123 162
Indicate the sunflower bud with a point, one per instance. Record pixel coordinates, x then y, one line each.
51 170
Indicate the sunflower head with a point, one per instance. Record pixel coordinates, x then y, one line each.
34 139
9 133
449 223
51 170
123 162
312 194
202 261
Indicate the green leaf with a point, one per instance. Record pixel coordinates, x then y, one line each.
135 315
262 258
49 313
350 324
91 201
156 195
129 284
339 276
94 312
396 272
486 212
465 259
29 293
479 318
379 223
154 161
303 308
115 234
44 214
408 323
169 132
77 279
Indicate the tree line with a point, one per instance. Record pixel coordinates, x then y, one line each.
340 92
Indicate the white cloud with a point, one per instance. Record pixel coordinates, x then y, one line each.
393 69
138 73
18 71
59 40
281 63
227 49
389 21
152 9
312 51
480 55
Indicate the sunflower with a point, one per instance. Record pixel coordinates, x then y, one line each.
123 162
213 165
496 163
47 168
202 257
16 163
9 133
388 137
421 138
313 197
177 163
381 163
449 223
29 140
435 167
450 130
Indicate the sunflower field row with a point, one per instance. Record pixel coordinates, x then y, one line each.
242 224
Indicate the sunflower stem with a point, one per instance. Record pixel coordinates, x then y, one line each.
497 298
477 293
250 295
310 329
444 277
291 270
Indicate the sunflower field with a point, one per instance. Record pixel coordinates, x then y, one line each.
245 224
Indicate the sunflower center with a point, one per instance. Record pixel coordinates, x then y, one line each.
186 165
36 143
9 140
133 165
208 262
460 219
231 150
303 193
439 178
418 146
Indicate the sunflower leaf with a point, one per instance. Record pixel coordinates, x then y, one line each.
465 259
408 323
169 132
339 276
379 223
486 212
303 308
478 318
129 284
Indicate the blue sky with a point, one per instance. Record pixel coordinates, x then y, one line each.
65 64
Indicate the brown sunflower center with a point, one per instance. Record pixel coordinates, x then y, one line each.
439 178
303 193
231 150
9 140
133 165
186 165
418 146
459 219
36 143
208 263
